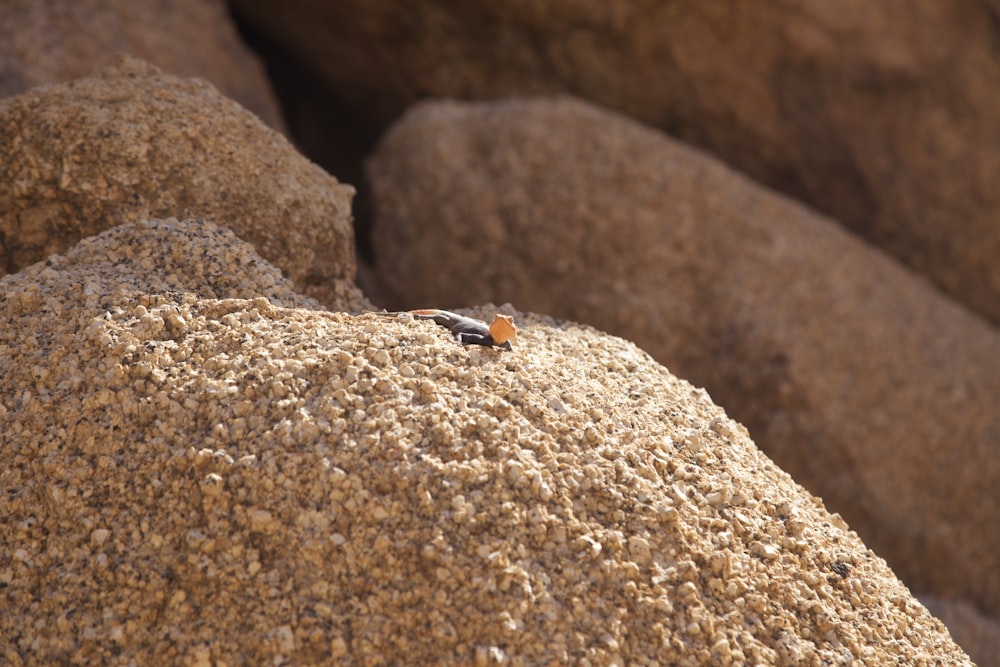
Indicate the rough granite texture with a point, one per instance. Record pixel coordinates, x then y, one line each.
200 468
868 386
885 115
132 143
61 40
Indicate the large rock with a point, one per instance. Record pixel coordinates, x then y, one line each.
198 470
132 143
860 379
60 40
885 115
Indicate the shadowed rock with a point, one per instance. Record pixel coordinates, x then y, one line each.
132 143
861 380
974 631
885 115
60 40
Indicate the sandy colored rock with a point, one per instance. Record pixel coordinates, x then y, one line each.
133 143
198 470
60 40
885 115
870 388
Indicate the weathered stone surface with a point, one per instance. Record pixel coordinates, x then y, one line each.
199 470
60 40
861 380
132 143
885 115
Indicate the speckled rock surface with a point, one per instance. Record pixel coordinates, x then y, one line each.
201 469
868 386
885 115
61 40
132 143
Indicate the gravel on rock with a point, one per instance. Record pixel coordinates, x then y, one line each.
200 467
